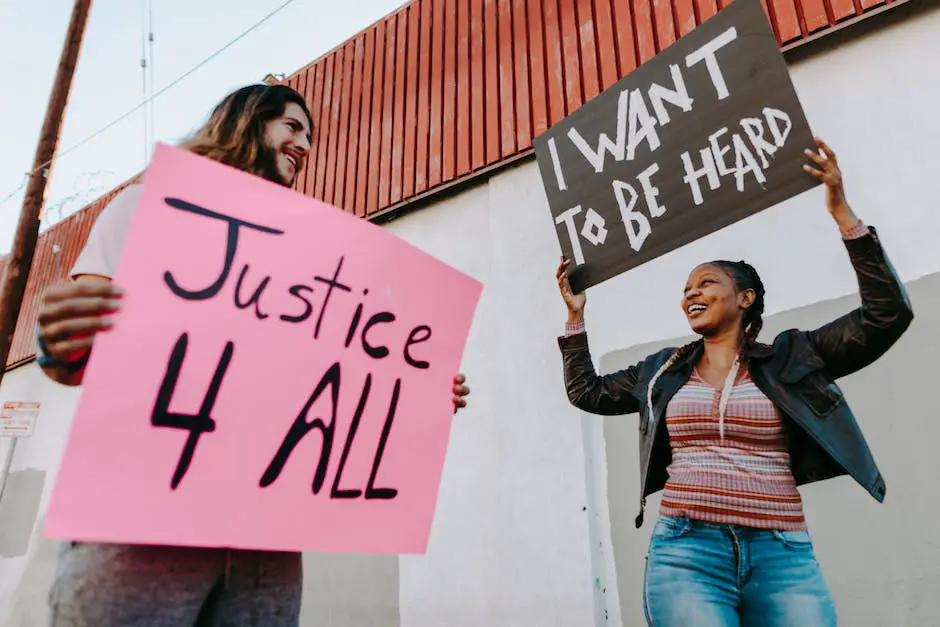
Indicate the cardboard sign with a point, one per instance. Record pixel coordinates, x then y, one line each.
706 133
18 419
280 376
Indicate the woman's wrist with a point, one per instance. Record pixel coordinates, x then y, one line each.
845 218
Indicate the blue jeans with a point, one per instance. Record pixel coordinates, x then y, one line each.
701 574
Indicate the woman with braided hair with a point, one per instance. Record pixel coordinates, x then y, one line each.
729 427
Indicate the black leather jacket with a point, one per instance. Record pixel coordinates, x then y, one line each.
797 373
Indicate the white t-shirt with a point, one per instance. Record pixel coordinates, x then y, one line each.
105 243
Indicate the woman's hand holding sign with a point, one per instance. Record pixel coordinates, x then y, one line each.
460 391
827 170
575 302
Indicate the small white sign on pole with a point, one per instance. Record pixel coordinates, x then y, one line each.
18 419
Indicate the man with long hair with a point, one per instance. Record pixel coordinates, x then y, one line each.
267 131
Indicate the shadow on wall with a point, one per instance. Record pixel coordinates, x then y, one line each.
18 510
350 591
882 561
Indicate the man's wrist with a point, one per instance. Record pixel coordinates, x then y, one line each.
45 359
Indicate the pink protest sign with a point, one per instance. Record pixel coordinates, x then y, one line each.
279 377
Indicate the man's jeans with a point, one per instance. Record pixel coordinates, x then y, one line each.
119 585
702 574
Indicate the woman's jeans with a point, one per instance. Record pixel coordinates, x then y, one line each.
701 574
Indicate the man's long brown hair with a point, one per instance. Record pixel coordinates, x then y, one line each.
234 132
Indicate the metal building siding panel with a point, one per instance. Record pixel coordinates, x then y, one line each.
627 55
308 98
787 20
539 82
398 125
706 9
300 83
435 137
841 9
310 182
507 114
685 17
464 138
411 111
375 132
664 23
355 127
606 43
491 76
448 129
477 87
424 94
554 62
867 4
336 100
365 124
570 45
342 143
388 113
814 15
324 134
523 112
643 30
590 78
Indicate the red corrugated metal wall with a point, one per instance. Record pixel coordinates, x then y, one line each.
50 266
442 90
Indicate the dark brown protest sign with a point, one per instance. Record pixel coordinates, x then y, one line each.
708 132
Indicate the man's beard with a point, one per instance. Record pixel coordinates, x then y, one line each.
267 167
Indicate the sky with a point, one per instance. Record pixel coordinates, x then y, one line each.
109 80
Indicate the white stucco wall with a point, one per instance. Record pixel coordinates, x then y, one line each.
511 544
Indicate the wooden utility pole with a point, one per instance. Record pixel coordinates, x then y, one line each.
27 230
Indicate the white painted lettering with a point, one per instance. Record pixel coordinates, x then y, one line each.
707 170
616 148
568 218
774 118
744 163
678 96
707 53
642 125
635 223
650 191
719 152
594 230
754 129
553 150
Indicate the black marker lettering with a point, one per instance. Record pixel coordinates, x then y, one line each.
414 339
371 491
201 422
376 352
332 283
354 324
231 246
336 493
255 298
301 427
296 290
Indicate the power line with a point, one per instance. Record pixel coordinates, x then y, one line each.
166 88
16 191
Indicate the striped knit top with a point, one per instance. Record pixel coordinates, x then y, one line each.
743 479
